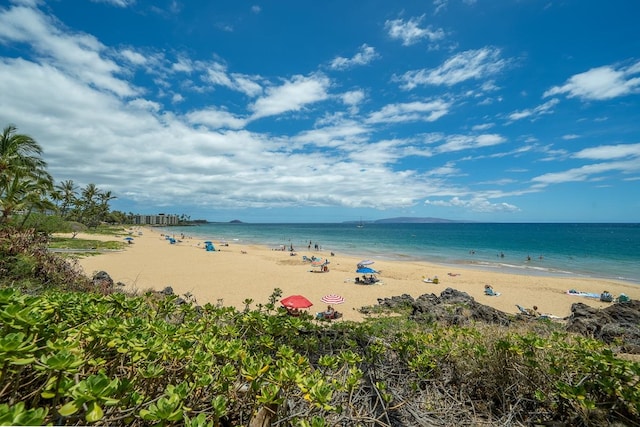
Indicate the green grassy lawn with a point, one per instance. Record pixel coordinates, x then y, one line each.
84 244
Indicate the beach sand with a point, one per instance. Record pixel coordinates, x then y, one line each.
236 272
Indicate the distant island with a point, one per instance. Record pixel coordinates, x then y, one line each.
409 220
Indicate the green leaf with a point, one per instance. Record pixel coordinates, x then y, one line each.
69 409
94 413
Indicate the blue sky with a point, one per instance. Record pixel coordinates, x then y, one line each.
309 111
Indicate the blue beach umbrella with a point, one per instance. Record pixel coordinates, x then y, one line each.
366 270
128 238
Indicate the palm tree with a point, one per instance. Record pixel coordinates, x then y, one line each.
23 175
89 209
67 194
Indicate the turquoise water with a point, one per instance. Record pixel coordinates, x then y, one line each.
590 250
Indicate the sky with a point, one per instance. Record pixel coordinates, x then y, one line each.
330 111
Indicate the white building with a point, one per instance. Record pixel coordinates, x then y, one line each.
159 219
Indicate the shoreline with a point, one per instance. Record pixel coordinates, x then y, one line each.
241 271
553 265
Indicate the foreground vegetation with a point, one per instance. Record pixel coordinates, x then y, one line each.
73 355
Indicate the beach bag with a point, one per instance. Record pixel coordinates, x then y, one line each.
606 297
623 298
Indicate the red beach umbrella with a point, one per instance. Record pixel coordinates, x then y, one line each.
332 299
296 301
318 262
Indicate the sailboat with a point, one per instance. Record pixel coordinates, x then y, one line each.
360 224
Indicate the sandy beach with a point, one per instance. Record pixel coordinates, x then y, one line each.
234 273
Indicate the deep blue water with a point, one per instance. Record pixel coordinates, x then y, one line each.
592 250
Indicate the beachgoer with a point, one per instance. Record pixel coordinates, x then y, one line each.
534 311
293 311
329 313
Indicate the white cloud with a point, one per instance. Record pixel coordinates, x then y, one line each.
217 75
484 126
363 57
467 142
349 135
353 99
79 55
184 65
410 112
216 119
587 172
609 152
293 95
600 83
546 108
476 204
246 84
134 57
118 3
410 32
472 64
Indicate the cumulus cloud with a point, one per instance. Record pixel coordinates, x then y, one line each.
600 83
166 127
363 57
409 32
292 95
80 55
216 119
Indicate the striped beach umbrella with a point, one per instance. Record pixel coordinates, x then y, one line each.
332 299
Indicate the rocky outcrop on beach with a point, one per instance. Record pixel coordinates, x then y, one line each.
452 307
618 321
102 281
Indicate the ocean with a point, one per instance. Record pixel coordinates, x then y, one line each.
608 251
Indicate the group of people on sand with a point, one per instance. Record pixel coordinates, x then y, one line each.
367 280
329 313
